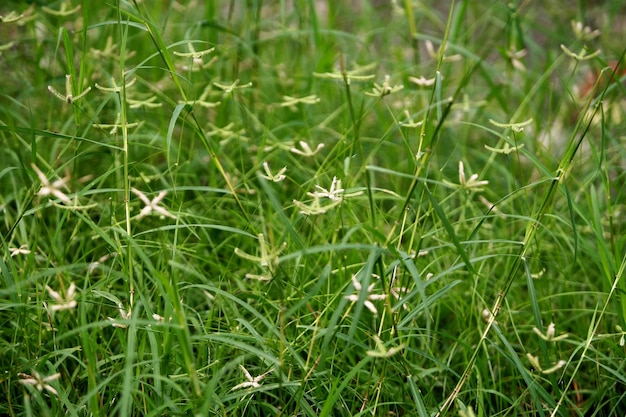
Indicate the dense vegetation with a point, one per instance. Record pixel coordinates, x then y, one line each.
316 208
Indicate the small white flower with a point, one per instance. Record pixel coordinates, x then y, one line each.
582 56
252 382
467 183
369 298
94 265
422 81
152 205
381 351
229 88
68 97
534 361
268 257
306 149
53 188
125 316
278 177
66 302
291 102
38 382
584 33
385 89
22 250
550 334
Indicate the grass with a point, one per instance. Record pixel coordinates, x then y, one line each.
312 208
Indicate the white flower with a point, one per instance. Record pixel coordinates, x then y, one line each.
385 89
369 298
422 81
268 257
278 177
38 382
66 302
252 382
125 316
53 188
152 205
22 250
306 149
381 351
68 97
550 335
467 183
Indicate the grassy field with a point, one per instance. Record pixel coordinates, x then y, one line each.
312 208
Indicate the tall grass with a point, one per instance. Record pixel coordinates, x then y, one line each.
312 208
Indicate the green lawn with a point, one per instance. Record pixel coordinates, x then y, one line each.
312 208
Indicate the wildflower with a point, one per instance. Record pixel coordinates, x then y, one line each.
69 97
435 54
278 177
469 183
550 334
422 81
291 102
227 133
22 250
94 265
232 87
108 52
53 188
202 100
63 10
385 89
196 58
584 33
534 361
147 102
369 297
66 302
152 205
516 58
38 382
506 150
116 125
315 207
357 74
115 88
126 315
335 194
193 53
515 127
582 55
411 122
381 351
268 258
252 382
306 149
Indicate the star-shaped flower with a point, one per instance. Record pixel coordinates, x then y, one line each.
53 188
152 205
369 298
252 382
471 183
278 177
39 382
22 250
306 149
65 302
